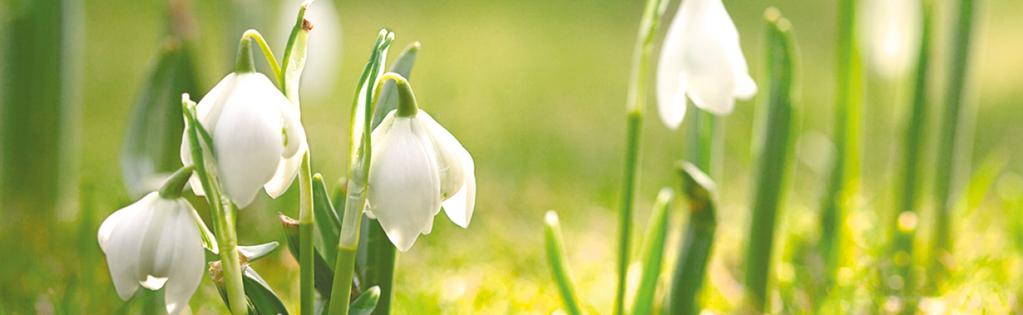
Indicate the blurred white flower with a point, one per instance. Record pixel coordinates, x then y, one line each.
257 133
701 59
154 242
889 31
417 166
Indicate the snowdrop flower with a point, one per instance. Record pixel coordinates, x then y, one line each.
889 31
154 243
701 59
417 166
257 134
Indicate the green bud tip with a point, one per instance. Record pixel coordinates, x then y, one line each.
407 106
171 188
244 61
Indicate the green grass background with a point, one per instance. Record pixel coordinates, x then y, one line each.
535 90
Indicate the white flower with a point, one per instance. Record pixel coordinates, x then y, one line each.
417 166
889 31
154 242
701 59
258 137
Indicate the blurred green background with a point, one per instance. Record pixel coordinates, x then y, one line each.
535 90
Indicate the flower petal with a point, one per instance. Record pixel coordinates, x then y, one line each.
458 176
247 137
121 240
404 184
295 146
671 79
186 269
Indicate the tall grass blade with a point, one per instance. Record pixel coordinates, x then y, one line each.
653 254
772 155
555 247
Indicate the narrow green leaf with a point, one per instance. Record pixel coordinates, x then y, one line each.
950 146
255 252
323 274
366 302
695 251
772 152
209 241
556 258
388 94
327 222
153 138
653 254
261 298
40 113
295 54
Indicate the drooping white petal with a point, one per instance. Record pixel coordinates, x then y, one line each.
703 59
295 146
186 268
214 98
151 243
248 137
404 182
120 238
458 178
671 80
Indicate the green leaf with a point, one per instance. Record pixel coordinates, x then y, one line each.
323 273
388 94
40 112
366 302
773 150
327 221
261 299
295 54
556 257
653 253
209 241
153 136
691 265
255 252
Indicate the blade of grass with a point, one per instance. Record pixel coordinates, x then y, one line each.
695 251
637 98
556 258
844 182
908 196
772 155
949 147
653 253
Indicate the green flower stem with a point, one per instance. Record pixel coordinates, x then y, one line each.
908 200
948 148
306 225
355 201
176 182
773 153
638 83
845 169
222 211
556 258
407 105
691 265
268 54
701 137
